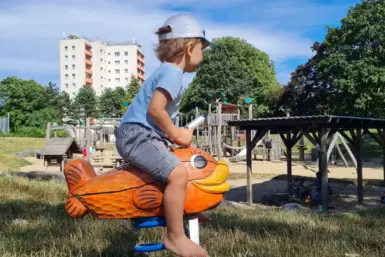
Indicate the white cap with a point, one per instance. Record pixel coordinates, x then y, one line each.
184 26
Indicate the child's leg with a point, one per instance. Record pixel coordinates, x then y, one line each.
146 150
173 203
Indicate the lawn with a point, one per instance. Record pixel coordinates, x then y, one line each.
10 145
232 232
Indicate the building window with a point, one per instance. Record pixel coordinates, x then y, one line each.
117 80
66 67
126 79
126 53
126 70
101 77
73 47
66 76
109 62
117 62
66 48
73 57
109 71
73 76
126 62
73 66
66 57
109 79
73 84
117 54
66 85
117 71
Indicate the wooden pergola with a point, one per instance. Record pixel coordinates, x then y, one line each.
320 129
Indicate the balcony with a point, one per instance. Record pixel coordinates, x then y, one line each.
140 76
88 53
140 68
89 62
89 81
140 58
89 71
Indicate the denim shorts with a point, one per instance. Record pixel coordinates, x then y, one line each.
145 149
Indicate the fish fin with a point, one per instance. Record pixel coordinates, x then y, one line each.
147 197
74 207
77 173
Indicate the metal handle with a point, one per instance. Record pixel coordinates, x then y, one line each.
196 122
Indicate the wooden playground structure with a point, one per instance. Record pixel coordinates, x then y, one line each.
214 136
95 137
221 140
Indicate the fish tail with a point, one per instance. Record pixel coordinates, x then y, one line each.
77 173
74 207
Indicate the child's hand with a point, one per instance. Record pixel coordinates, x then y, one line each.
183 137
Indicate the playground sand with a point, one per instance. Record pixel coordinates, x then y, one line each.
371 171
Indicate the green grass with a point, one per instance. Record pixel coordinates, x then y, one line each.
232 232
10 145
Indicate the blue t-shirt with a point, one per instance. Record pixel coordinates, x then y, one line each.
168 77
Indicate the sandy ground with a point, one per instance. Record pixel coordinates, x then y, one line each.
345 195
371 170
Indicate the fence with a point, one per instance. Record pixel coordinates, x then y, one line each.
4 124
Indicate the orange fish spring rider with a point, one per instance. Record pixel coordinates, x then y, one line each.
129 193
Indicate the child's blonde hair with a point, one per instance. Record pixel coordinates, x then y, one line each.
169 49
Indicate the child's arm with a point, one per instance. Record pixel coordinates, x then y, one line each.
158 113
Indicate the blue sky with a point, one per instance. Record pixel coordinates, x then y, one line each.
30 30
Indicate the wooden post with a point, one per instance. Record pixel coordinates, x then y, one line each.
359 157
323 168
219 131
209 124
48 131
249 167
88 140
382 139
289 163
197 134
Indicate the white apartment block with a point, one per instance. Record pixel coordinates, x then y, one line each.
98 64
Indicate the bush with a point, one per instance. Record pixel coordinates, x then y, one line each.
32 132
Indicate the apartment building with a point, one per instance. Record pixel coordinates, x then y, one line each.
98 64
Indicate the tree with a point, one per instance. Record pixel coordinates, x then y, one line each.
20 98
131 91
110 101
235 68
306 94
86 100
347 74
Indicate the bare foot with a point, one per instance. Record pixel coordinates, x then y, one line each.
184 247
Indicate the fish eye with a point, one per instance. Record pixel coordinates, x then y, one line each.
198 161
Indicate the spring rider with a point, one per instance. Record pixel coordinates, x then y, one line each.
127 192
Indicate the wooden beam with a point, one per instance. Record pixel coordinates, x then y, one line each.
378 140
359 157
249 149
323 168
219 131
351 141
382 134
48 131
289 164
258 136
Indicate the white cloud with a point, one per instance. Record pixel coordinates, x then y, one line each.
30 33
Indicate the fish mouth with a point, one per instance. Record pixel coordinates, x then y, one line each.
216 182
